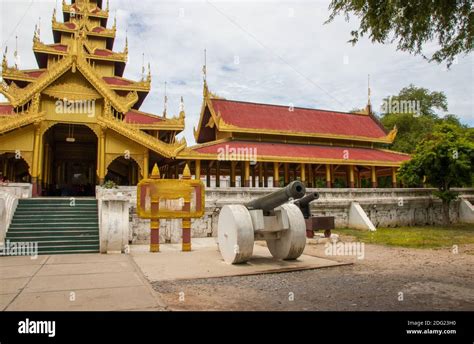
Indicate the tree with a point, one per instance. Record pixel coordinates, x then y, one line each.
444 159
413 112
413 24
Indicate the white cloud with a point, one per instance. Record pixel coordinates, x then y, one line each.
284 51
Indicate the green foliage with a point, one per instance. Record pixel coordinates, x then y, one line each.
445 158
412 24
110 184
414 126
415 237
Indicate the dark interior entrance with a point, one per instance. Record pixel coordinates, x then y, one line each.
70 154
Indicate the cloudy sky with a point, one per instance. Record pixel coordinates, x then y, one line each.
277 52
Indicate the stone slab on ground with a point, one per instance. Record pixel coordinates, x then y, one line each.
75 282
205 261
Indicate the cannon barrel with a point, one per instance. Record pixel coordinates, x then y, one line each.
303 203
295 190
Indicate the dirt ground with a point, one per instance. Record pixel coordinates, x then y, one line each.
387 278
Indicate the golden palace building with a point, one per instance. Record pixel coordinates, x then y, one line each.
75 122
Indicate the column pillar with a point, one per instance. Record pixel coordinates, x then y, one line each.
247 174
254 176
218 174
351 176
146 164
260 175
310 176
36 150
232 173
394 177
328 176
265 175
186 222
276 175
287 174
197 169
208 174
373 173
102 167
303 173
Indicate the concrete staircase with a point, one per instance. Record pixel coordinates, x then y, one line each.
58 225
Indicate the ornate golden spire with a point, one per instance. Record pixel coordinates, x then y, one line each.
53 19
165 106
148 78
125 51
15 54
186 172
107 9
155 172
182 114
4 61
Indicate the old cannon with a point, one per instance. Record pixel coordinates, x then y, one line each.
314 223
268 218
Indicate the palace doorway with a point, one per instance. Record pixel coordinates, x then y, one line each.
70 161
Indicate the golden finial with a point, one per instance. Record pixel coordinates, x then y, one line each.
4 62
149 73
126 44
54 16
165 106
181 108
186 172
107 9
143 66
155 172
368 89
15 54
115 20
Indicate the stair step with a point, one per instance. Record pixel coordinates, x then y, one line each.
56 226
21 234
63 220
53 238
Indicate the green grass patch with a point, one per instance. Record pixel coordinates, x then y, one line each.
416 237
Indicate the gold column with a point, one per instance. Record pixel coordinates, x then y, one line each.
374 176
394 177
247 174
102 167
146 164
328 176
303 173
36 152
197 169
276 175
46 164
351 176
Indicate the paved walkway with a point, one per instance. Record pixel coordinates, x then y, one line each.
75 282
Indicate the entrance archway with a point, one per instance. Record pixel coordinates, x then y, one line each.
123 171
70 161
14 169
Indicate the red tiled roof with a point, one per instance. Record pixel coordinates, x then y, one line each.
117 81
102 52
98 29
141 118
34 73
280 118
6 109
59 47
307 151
